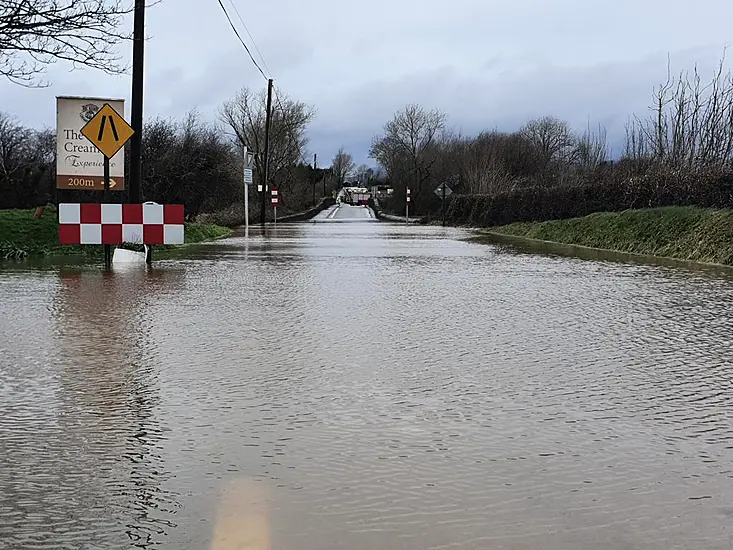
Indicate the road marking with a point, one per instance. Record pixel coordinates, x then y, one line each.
242 521
333 214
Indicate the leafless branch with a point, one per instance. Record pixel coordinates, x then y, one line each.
36 33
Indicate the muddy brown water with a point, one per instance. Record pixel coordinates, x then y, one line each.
365 386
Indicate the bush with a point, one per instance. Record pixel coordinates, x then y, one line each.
613 190
227 217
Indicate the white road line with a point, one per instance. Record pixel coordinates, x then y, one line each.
333 214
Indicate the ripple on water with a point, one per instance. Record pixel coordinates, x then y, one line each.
386 387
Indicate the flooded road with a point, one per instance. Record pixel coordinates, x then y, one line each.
366 386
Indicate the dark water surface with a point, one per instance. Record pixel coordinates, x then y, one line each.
366 386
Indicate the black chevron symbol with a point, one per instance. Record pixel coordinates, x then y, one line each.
112 125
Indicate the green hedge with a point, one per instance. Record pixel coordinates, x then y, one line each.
683 232
613 192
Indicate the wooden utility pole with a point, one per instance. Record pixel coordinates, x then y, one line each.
315 176
266 155
136 115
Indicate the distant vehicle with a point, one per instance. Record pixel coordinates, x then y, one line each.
356 196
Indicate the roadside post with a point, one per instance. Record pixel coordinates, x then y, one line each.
108 131
275 200
443 191
407 207
248 180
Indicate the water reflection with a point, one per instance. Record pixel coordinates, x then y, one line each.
109 390
367 386
88 473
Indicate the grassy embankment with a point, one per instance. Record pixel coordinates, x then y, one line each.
22 235
685 233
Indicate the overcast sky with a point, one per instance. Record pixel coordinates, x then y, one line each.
486 63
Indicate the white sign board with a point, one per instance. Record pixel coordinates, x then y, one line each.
248 176
79 164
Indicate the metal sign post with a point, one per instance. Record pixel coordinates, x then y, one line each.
407 207
443 205
275 200
443 191
246 192
109 132
107 247
248 180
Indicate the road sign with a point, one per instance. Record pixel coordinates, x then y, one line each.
108 131
248 176
79 164
93 223
275 200
439 190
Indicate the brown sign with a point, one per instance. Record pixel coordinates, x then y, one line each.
89 183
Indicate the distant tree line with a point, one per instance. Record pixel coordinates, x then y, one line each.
680 154
191 161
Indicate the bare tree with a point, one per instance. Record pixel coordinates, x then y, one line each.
13 138
364 174
553 140
190 162
246 115
26 164
342 165
408 141
591 148
35 33
691 123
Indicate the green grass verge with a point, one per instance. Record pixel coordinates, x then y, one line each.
23 236
685 233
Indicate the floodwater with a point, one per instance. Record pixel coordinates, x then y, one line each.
366 386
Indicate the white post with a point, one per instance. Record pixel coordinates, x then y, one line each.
246 192
407 207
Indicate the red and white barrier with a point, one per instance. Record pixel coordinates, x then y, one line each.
148 223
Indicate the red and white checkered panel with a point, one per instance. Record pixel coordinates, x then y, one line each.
118 223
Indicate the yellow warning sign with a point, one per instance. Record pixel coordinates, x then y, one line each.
108 131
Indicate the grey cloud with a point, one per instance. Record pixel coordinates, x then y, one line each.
606 94
486 63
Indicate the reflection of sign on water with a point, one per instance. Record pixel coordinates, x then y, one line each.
103 333
79 164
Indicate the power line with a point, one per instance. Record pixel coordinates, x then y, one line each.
262 57
240 39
